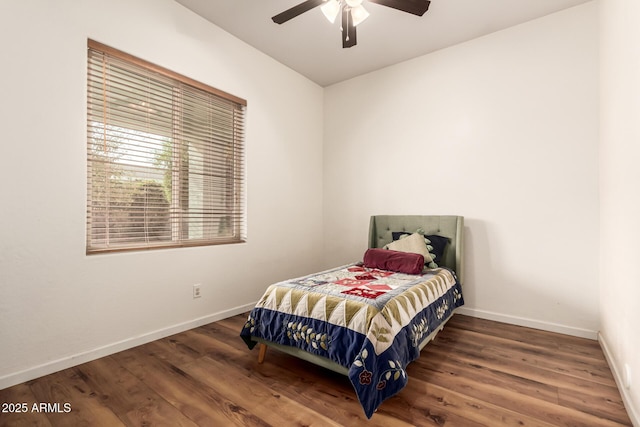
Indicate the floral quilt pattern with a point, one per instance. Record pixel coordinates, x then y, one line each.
367 320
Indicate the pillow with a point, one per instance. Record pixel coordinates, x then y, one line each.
439 244
414 243
401 262
436 244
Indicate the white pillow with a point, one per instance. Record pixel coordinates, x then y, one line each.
413 243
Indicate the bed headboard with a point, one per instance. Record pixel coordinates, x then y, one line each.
450 226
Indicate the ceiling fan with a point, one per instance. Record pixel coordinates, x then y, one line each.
353 13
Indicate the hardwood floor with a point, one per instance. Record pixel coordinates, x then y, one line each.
476 373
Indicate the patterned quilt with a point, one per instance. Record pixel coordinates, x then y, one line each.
368 320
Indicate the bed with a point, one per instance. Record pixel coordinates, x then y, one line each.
364 321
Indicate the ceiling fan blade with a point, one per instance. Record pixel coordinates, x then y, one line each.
348 29
415 7
296 10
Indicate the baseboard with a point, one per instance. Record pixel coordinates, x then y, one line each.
529 323
634 412
78 359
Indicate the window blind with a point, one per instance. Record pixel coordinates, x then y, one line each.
165 157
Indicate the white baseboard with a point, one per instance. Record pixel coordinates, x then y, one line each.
529 323
87 356
617 375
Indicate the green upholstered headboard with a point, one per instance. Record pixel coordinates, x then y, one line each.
450 226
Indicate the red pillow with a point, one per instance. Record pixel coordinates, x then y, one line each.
401 262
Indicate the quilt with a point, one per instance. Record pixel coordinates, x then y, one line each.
368 320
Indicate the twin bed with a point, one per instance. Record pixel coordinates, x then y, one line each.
368 320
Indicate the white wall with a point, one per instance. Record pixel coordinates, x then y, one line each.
59 307
620 196
502 130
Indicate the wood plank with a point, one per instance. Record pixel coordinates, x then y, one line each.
608 406
476 373
544 357
86 406
474 409
21 415
453 346
271 407
134 401
429 368
235 323
174 350
201 404
534 341
575 346
531 400
321 390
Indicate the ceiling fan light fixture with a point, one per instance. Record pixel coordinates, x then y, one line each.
331 9
352 11
359 14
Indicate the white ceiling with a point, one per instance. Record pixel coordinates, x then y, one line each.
312 46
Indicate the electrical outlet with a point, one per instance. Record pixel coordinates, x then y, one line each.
196 291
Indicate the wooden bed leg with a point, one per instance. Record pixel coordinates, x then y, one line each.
262 352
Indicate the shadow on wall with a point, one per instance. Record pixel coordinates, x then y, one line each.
497 291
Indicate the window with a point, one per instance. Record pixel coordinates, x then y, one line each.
165 157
